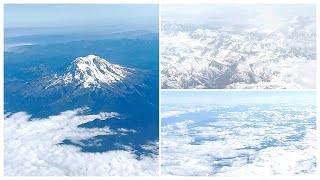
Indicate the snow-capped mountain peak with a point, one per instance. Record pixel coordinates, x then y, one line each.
92 72
90 60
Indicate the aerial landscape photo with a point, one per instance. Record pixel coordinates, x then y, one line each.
81 90
238 46
238 133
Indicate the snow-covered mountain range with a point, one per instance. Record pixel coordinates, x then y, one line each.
282 56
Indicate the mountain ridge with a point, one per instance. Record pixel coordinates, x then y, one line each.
240 58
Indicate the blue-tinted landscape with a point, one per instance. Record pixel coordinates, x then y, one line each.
81 90
238 133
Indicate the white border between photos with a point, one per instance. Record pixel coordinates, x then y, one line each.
318 85
160 2
159 90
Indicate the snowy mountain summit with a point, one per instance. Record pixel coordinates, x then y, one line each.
95 72
92 71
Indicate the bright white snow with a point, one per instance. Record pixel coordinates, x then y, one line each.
92 71
256 55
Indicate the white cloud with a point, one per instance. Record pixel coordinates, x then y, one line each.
151 146
171 113
32 148
259 140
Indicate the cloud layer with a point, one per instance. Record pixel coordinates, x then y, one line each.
31 147
240 140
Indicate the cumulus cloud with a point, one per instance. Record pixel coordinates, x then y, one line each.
32 147
171 113
248 140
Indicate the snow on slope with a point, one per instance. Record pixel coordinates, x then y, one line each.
282 56
92 71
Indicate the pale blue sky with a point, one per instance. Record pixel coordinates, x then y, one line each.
237 97
60 15
235 13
